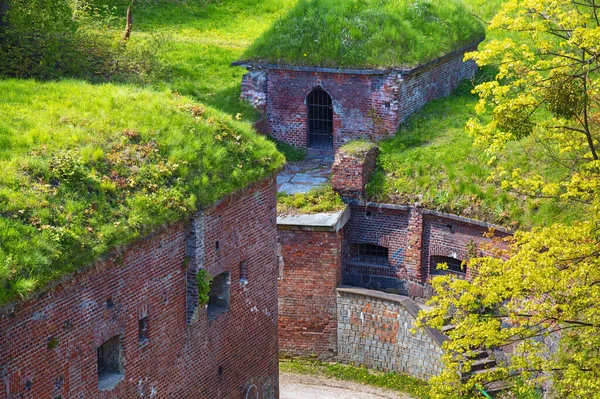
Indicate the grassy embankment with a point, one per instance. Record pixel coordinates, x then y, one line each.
432 160
366 34
87 168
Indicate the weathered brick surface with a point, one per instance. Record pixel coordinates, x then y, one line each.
412 235
364 105
376 333
221 358
351 172
454 238
311 272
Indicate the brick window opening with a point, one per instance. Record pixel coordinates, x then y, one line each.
455 266
320 119
143 331
110 364
218 296
370 253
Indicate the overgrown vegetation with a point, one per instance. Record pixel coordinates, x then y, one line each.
197 41
87 168
432 160
317 200
356 147
366 33
50 39
291 153
203 280
397 382
537 296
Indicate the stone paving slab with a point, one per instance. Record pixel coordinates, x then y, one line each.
303 176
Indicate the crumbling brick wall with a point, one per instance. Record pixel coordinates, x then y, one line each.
366 104
48 343
352 171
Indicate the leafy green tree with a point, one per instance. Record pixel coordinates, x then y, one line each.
536 304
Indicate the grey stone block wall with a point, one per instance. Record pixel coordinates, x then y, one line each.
374 330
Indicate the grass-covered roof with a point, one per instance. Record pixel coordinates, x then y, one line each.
88 168
366 33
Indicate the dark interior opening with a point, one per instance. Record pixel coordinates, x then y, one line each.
320 120
370 253
218 297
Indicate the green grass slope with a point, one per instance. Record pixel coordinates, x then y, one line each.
87 168
196 42
432 160
366 33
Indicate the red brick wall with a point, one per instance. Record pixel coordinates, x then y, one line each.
412 235
453 238
221 358
311 272
351 172
364 105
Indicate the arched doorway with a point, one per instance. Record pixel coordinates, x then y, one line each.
320 120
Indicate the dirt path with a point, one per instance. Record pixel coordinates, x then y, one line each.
298 386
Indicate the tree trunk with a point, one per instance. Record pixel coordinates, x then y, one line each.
129 22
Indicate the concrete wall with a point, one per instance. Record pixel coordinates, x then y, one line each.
374 330
366 104
48 343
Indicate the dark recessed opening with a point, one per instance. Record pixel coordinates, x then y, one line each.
320 119
110 304
455 266
218 296
243 270
217 245
370 253
387 104
220 371
110 363
369 214
143 331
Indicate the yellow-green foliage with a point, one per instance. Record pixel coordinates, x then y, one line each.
86 168
540 297
366 33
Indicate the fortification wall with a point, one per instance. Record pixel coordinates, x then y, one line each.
374 330
412 236
366 104
310 271
49 343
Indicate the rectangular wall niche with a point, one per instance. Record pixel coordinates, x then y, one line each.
218 301
110 364
143 333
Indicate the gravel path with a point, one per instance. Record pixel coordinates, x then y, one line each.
297 386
